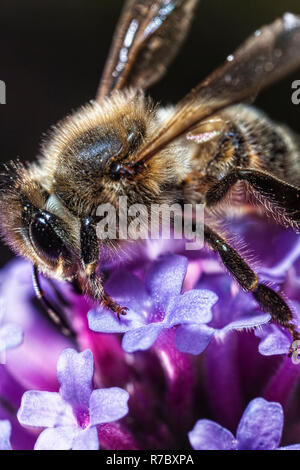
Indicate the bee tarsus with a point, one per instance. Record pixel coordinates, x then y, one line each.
114 307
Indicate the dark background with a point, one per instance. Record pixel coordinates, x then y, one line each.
52 54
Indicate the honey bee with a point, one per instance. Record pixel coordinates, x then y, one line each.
198 151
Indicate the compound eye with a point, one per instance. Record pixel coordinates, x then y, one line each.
45 240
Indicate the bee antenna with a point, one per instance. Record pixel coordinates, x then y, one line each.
55 316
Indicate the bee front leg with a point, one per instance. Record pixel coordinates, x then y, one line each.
93 287
282 195
267 298
113 306
90 257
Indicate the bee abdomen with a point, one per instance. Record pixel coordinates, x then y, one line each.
272 147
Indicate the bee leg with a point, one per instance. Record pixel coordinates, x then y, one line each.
89 244
267 298
94 288
56 317
283 195
113 306
90 257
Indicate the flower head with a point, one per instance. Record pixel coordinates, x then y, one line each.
260 428
154 306
235 311
72 415
168 389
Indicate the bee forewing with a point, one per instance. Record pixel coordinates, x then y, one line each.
147 38
269 54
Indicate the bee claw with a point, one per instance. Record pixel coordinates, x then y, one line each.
115 308
121 311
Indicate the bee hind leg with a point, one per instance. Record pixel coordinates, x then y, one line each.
268 299
283 196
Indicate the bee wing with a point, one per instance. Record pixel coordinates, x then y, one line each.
265 57
147 38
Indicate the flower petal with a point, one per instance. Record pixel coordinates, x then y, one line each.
273 341
60 438
232 305
126 288
11 394
193 339
103 321
261 426
141 338
5 432
193 306
11 335
249 321
86 439
44 409
165 278
75 374
108 404
278 271
208 435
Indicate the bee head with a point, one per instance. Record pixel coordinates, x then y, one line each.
90 154
34 226
87 148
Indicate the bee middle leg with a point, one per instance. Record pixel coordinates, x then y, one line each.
281 194
268 299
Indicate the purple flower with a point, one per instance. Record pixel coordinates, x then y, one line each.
168 389
274 340
260 428
235 311
72 415
158 305
5 432
155 305
280 269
